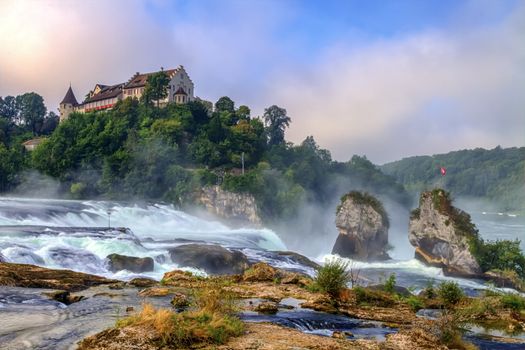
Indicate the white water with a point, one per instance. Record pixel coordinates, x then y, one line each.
157 227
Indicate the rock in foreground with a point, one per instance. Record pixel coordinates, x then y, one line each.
214 259
363 228
30 276
117 262
441 234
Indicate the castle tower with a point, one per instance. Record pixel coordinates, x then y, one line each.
68 104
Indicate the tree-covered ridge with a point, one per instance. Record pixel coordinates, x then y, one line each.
138 150
497 174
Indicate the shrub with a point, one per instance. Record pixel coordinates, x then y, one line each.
512 301
373 297
429 291
390 284
414 302
332 277
450 292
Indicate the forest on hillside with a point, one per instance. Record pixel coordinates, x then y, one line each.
140 151
497 175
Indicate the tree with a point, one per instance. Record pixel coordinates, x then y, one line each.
225 104
50 123
243 112
276 122
32 111
156 87
9 109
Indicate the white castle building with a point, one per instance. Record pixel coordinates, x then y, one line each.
180 90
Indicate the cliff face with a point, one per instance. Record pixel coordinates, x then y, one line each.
363 228
239 207
435 231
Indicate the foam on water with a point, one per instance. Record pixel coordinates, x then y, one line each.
154 229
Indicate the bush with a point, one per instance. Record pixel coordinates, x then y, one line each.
500 255
512 301
450 292
429 291
332 277
415 303
366 296
390 283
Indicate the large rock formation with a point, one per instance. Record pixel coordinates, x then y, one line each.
213 259
30 276
441 234
236 207
117 262
363 228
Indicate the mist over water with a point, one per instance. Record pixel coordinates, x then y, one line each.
75 235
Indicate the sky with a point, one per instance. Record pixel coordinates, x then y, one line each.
385 79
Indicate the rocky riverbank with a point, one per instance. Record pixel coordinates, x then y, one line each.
260 289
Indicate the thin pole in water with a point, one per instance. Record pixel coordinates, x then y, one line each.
242 161
109 217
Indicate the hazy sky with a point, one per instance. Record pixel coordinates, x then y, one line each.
386 79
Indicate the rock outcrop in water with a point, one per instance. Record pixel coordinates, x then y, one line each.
117 262
441 235
236 207
363 228
212 258
30 276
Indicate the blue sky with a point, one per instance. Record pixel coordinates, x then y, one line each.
382 78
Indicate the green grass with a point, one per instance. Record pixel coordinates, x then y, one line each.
370 297
332 277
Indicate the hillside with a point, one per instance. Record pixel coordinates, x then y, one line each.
497 174
140 151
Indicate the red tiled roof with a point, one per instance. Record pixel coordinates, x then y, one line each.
139 80
106 93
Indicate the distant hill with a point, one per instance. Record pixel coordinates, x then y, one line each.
497 174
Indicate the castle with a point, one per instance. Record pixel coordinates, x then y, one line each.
180 90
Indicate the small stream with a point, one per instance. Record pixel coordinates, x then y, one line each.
292 315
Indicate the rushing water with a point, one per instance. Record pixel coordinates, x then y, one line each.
78 235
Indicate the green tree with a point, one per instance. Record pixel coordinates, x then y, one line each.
32 111
276 122
225 104
156 87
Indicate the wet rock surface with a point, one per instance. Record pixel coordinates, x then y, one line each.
214 259
117 262
30 276
235 207
363 228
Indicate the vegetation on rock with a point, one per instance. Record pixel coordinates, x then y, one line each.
332 277
364 198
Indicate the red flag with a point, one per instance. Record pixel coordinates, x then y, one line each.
443 171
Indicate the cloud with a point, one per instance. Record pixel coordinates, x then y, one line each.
384 96
428 92
47 44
